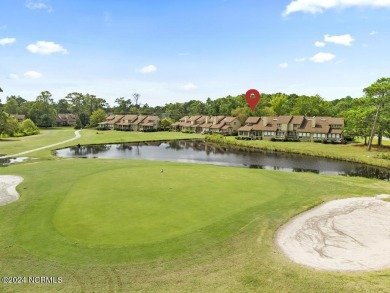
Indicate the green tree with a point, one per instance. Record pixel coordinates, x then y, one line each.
97 116
311 106
11 106
380 91
3 119
175 110
14 105
75 101
279 104
63 106
242 113
358 121
78 124
123 106
166 123
11 126
43 111
28 127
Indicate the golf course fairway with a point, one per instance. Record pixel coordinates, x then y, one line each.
123 225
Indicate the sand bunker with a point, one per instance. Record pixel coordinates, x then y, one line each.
351 234
8 192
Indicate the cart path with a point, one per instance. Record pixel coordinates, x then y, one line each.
77 136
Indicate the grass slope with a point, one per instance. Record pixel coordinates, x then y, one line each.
88 136
353 152
110 225
9 146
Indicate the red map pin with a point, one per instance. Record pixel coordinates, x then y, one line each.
252 97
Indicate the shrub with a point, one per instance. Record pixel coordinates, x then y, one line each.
78 124
28 127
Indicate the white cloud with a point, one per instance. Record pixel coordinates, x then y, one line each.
148 69
319 44
32 74
302 59
46 48
373 33
318 6
345 40
38 4
7 41
189 86
322 57
283 65
13 76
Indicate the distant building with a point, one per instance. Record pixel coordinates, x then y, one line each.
293 127
19 117
207 124
130 123
66 119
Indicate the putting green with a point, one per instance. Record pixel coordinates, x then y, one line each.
143 206
122 211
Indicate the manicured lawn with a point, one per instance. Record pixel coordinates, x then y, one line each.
121 225
354 152
88 136
14 145
91 136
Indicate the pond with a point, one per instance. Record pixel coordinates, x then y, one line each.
196 151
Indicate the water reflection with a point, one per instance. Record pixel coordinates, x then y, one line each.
195 151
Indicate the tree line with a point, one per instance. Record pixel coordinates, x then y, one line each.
359 113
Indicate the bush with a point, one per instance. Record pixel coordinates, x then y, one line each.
28 127
79 124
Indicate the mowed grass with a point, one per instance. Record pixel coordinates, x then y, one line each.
92 136
14 145
144 206
122 226
353 152
50 136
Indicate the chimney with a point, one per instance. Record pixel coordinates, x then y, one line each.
313 122
215 120
207 119
265 121
185 119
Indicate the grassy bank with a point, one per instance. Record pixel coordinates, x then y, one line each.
119 225
14 145
122 226
353 152
91 136
88 136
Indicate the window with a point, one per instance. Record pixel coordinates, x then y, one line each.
304 134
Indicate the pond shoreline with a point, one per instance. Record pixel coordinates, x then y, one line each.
205 152
245 146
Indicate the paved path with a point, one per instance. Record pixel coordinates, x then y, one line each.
77 136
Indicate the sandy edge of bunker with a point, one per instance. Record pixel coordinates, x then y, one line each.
350 235
8 191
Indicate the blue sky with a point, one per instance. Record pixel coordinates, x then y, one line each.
174 51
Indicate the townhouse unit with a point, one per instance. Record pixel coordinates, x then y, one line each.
226 125
19 117
293 127
66 119
130 123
